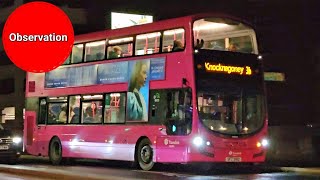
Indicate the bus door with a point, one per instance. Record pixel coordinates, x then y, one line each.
29 131
177 125
39 132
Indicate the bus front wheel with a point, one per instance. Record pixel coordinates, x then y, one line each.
145 155
55 151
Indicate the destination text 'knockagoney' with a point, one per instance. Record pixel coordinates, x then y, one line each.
228 69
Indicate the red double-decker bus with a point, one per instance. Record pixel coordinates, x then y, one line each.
182 90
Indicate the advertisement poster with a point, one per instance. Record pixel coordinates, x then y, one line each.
157 69
138 90
113 73
56 78
109 73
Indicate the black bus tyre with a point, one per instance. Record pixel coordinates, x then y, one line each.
145 155
55 151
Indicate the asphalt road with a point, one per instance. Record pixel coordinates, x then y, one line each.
168 172
6 176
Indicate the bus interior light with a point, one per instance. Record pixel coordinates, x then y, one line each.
151 35
122 40
79 45
94 44
222 128
211 26
93 97
172 32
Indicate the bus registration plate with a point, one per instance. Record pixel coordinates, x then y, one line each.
4 147
233 159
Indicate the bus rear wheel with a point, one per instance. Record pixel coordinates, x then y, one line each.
55 151
145 155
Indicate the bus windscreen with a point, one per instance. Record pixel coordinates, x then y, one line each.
229 92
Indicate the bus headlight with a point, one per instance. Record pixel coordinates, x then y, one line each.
16 140
265 142
198 141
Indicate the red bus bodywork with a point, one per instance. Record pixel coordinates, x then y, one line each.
119 141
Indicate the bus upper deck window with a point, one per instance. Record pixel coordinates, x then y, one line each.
114 52
147 43
224 35
173 40
77 53
120 48
95 50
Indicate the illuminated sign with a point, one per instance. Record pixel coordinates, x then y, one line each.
274 76
121 20
246 70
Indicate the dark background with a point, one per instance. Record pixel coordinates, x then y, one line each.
288 39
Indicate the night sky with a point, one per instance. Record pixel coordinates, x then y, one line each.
288 36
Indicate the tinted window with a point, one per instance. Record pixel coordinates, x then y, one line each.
77 53
147 43
172 108
115 108
74 109
57 113
95 50
42 111
173 40
92 109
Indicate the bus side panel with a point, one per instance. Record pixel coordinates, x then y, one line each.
94 141
172 149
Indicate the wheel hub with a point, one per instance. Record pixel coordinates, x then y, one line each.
145 154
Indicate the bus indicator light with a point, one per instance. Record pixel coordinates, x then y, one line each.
258 144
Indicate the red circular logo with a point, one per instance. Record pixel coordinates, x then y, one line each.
38 37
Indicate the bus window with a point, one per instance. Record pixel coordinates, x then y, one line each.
223 35
157 107
67 61
92 109
120 48
74 109
115 108
147 43
95 51
77 53
171 36
42 111
172 108
179 112
57 113
242 44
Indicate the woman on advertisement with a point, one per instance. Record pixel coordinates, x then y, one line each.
138 91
